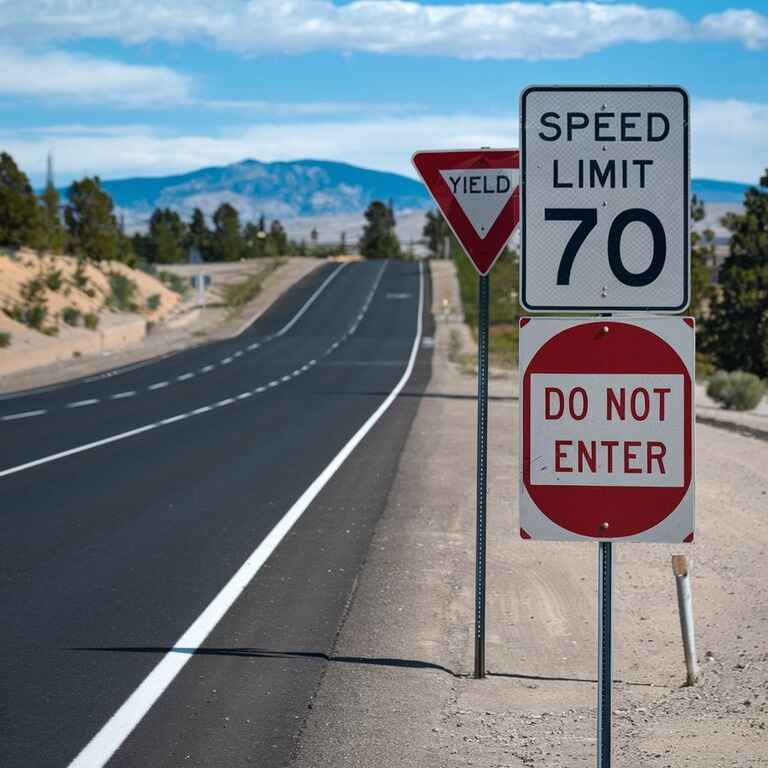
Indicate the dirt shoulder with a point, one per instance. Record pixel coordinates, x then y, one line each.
189 328
398 691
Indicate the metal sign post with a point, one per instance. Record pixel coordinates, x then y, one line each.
605 227
477 192
604 652
482 471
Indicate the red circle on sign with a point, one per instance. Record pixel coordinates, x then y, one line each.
623 349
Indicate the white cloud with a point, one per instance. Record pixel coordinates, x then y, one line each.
473 30
308 108
730 141
66 76
747 27
383 142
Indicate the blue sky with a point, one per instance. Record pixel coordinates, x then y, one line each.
150 87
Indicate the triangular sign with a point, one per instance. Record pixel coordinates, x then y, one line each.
477 191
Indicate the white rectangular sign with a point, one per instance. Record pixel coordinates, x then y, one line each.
606 428
605 198
622 430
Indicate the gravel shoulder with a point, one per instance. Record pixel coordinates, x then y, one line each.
399 690
197 327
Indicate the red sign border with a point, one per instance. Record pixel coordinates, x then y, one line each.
482 252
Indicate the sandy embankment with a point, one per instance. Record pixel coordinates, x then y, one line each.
176 325
86 292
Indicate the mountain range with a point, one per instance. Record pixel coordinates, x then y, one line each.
300 189
281 190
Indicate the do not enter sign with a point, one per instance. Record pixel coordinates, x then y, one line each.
607 429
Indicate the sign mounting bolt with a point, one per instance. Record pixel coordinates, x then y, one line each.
605 330
604 291
604 526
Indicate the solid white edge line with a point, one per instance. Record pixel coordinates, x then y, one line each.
287 327
108 740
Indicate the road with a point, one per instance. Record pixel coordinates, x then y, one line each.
213 507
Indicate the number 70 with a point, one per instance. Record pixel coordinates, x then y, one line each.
587 218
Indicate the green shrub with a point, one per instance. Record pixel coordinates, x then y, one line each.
153 302
718 384
123 293
174 282
33 290
145 266
71 316
14 312
52 279
738 390
79 276
34 315
5 339
50 330
704 366
91 321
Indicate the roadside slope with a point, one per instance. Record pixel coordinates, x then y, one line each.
191 330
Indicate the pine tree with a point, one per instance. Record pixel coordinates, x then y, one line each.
198 235
736 334
227 242
20 215
55 234
254 241
278 240
167 236
702 262
437 233
379 240
91 223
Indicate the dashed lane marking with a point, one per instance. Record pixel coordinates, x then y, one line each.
185 376
205 369
83 403
123 395
24 415
158 385
163 422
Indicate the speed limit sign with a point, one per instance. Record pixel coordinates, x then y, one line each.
604 203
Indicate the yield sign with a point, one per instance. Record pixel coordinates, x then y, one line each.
477 191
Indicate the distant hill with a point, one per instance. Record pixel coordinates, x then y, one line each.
281 190
300 189
711 191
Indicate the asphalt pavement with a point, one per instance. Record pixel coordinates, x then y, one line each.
135 501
